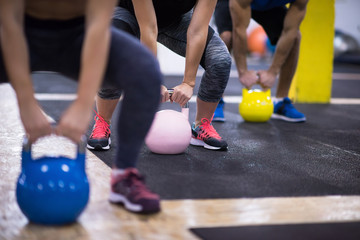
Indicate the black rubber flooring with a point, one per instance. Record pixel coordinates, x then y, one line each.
328 231
316 158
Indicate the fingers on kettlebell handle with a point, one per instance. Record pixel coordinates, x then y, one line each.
171 92
258 78
184 105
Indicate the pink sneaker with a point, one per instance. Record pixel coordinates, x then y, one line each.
129 189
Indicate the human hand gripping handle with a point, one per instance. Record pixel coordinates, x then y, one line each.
266 79
182 94
249 78
171 92
74 122
165 96
35 123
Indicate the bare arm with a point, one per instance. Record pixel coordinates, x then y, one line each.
16 58
146 18
241 14
15 48
94 56
196 40
293 19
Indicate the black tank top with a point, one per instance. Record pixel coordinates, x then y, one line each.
167 11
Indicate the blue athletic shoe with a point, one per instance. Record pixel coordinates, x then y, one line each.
284 110
219 112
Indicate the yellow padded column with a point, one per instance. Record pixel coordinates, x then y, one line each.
313 78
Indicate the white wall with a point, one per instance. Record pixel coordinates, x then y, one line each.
347 17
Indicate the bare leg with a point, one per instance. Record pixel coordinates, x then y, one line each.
106 107
204 110
288 70
226 36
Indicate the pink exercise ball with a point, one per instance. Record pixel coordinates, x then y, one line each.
170 132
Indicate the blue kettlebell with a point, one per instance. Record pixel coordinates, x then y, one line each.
52 190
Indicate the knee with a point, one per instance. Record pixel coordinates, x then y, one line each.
226 36
298 37
222 63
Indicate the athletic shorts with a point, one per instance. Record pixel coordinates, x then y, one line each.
271 20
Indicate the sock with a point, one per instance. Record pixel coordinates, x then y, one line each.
117 171
121 171
276 100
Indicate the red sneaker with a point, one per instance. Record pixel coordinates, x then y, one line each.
100 135
205 135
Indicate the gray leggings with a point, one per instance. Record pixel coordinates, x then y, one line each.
216 59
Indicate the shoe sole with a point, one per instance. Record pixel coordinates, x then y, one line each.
121 199
99 147
281 117
197 142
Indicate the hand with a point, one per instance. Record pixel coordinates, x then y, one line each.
249 78
182 94
74 122
35 123
165 96
267 79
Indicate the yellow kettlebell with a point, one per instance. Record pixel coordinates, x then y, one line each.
256 105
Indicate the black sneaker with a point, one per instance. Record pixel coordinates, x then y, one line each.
100 135
205 135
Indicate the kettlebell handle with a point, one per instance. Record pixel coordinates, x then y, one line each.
81 145
171 91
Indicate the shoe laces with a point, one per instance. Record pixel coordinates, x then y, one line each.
137 184
208 129
101 127
287 102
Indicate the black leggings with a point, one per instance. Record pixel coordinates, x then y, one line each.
56 46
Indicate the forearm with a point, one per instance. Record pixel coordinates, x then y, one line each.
149 38
194 50
240 14
283 48
197 34
146 18
16 59
240 50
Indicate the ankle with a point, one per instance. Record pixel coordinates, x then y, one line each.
277 99
107 121
121 171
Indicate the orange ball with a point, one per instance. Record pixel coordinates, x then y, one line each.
257 41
